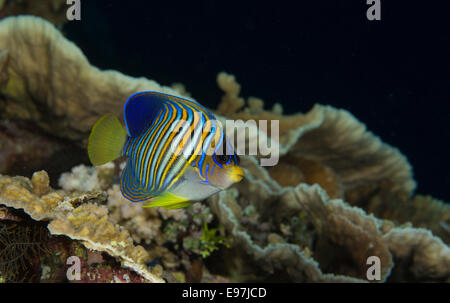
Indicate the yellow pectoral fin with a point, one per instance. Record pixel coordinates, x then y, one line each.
169 201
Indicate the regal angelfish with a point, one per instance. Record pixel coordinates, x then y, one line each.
176 150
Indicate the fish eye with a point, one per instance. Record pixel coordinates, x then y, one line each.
222 159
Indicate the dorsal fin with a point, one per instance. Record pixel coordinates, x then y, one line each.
141 109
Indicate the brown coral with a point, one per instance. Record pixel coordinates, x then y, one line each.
421 211
295 170
347 231
75 216
429 256
52 10
61 82
329 146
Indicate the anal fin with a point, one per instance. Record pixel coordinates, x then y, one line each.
169 201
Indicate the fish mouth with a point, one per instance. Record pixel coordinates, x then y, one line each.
237 175
237 178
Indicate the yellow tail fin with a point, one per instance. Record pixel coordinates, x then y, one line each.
106 140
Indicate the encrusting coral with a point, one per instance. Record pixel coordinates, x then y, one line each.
337 196
153 228
77 216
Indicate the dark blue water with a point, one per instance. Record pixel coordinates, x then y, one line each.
393 74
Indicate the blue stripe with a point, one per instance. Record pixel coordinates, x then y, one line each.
133 188
217 147
129 186
164 143
138 158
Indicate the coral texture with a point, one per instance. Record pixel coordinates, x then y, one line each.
348 231
61 82
78 216
52 10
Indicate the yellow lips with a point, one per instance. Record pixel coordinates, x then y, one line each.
236 174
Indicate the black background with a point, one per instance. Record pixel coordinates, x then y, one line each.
172 292
393 74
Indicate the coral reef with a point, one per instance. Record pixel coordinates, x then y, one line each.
337 196
61 92
77 216
421 211
274 244
185 230
330 148
51 10
333 139
84 178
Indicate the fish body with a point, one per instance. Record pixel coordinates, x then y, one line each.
176 150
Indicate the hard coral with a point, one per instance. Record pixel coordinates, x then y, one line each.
52 10
38 90
328 146
84 178
347 231
77 216
421 211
